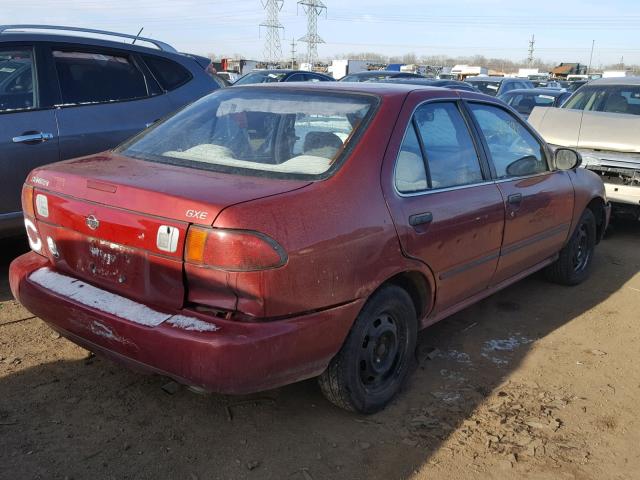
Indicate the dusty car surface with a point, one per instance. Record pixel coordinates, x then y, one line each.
268 234
602 120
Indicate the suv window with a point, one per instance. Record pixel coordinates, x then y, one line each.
450 154
168 73
17 80
514 150
94 77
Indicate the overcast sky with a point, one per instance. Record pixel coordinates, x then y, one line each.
563 29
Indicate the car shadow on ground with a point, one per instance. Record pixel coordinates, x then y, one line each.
88 418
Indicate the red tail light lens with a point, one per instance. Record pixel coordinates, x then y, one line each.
233 250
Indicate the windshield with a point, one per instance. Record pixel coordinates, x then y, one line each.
487 87
606 98
285 133
261 77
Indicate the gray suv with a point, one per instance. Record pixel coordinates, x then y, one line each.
64 96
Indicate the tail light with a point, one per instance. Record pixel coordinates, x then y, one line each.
35 242
233 250
27 201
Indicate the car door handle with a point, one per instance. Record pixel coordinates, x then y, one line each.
514 199
38 137
148 124
420 219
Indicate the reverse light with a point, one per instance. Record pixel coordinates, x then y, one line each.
233 250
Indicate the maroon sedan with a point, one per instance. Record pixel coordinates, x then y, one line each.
270 234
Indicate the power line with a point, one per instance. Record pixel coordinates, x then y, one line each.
272 46
313 9
532 46
293 53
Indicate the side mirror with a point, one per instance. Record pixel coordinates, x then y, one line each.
567 159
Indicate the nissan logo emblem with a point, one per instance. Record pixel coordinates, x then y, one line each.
92 222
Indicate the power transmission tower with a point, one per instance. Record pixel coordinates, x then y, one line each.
532 45
272 47
312 9
293 53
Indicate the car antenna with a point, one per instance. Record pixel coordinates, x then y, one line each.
134 40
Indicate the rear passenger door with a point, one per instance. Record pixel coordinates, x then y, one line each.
538 201
107 96
447 211
28 131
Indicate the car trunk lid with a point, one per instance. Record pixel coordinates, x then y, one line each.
121 223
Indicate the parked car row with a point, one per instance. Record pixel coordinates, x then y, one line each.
210 248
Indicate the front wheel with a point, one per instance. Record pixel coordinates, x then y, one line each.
574 263
376 357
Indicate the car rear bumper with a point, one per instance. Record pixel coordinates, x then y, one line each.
235 358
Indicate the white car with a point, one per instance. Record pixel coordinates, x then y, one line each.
602 121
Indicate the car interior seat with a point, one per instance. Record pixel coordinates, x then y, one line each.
322 144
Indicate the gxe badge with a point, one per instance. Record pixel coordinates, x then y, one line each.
92 222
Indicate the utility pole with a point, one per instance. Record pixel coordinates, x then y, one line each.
593 43
532 45
312 9
293 53
272 47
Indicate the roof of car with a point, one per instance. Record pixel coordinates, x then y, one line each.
376 88
378 72
616 81
486 79
77 39
556 92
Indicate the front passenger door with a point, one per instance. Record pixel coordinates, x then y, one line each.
538 201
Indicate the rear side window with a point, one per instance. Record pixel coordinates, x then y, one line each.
514 150
168 73
17 80
97 77
443 139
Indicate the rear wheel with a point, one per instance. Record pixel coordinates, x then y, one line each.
375 359
574 264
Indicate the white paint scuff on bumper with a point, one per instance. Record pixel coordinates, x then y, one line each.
121 307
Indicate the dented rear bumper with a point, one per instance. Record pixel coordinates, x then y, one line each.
223 356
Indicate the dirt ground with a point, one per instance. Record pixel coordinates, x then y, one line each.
536 382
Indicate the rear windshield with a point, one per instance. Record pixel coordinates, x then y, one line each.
490 88
261 77
606 98
257 130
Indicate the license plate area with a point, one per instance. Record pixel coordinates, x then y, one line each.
110 261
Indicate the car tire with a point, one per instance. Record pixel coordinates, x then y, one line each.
376 357
574 264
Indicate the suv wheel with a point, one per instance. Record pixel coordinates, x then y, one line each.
375 359
574 264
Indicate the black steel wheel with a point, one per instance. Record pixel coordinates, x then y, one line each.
574 263
376 357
